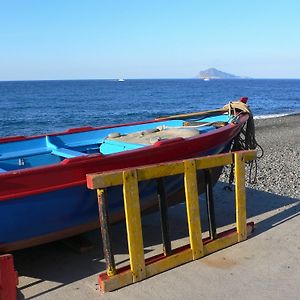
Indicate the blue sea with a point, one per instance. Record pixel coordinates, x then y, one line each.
36 107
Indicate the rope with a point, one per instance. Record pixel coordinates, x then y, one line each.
244 141
237 105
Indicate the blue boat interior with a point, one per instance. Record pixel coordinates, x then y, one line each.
51 149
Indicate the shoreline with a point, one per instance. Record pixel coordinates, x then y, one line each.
274 116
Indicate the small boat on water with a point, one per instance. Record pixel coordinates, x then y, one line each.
43 193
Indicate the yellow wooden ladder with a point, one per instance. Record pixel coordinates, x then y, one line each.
141 268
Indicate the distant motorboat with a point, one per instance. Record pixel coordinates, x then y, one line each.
206 79
121 79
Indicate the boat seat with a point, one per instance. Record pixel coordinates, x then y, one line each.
67 153
110 146
24 153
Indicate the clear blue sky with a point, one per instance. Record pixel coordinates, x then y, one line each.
69 39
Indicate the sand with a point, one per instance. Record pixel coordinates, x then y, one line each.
265 266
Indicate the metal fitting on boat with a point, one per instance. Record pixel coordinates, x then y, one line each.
21 162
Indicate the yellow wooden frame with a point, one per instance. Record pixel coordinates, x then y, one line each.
129 178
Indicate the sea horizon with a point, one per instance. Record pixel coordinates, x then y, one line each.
39 106
148 78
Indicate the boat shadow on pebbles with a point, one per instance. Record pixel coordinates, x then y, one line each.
46 269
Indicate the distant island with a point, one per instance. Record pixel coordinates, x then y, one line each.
213 73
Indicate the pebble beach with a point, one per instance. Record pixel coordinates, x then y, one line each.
279 168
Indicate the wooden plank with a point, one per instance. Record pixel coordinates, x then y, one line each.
225 241
108 284
194 114
160 170
134 225
192 207
220 243
169 262
174 168
164 220
105 232
105 179
181 256
210 204
213 161
249 154
240 196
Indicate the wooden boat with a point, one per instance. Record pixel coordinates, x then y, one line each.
43 194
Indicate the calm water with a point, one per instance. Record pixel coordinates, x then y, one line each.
32 107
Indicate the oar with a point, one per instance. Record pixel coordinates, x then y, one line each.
195 114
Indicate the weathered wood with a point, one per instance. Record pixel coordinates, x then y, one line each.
210 205
109 284
160 170
164 222
193 209
195 114
213 161
134 225
198 247
113 178
240 195
103 180
169 262
105 232
180 256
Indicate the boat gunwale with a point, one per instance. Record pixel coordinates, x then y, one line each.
82 158
75 130
92 158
